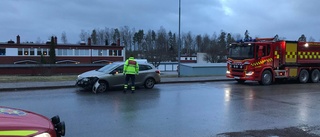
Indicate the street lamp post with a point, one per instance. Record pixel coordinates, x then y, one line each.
179 41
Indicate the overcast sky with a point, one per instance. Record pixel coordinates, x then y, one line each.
33 19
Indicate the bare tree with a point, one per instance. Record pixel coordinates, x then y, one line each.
126 35
100 37
107 36
158 54
84 36
212 50
64 38
38 41
311 39
115 35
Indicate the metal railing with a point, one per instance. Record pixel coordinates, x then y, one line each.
168 66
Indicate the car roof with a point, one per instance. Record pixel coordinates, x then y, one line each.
140 61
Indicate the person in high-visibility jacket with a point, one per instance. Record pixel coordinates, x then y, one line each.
130 70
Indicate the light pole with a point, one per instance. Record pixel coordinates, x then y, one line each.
179 41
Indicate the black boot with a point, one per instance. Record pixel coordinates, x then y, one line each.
132 91
124 91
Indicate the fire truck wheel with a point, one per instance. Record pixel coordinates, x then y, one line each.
266 78
303 76
315 76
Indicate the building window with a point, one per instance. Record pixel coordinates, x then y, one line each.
43 52
100 52
119 52
25 52
77 52
39 52
69 52
84 52
2 51
32 51
105 52
111 53
59 53
20 51
64 52
95 52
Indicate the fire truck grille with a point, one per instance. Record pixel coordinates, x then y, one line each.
237 70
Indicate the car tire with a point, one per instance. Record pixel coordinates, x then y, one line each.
102 87
149 83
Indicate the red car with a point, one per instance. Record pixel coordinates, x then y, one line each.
21 123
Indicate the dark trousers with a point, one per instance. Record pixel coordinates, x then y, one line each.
129 77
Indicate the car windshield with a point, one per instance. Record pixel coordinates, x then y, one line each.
108 68
243 51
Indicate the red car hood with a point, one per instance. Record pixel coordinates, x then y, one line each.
17 119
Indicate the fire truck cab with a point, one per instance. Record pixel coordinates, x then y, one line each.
267 59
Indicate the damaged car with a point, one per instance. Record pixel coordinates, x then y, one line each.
111 76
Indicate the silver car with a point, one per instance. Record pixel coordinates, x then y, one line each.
111 75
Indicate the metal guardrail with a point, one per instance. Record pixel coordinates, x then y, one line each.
164 66
168 66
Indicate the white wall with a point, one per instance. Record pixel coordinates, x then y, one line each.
200 57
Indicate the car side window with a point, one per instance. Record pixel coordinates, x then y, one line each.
144 67
119 69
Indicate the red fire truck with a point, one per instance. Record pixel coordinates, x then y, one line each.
266 60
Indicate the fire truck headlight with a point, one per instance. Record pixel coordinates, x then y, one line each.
306 45
246 63
228 72
43 135
249 73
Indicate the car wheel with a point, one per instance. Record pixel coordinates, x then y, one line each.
102 87
149 83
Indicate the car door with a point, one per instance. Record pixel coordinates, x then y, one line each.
142 74
117 78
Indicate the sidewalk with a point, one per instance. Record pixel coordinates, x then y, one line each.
165 78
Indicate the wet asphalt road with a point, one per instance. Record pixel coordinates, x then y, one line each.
186 110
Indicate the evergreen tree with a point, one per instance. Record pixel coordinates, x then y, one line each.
52 52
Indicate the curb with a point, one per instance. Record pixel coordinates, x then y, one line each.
72 86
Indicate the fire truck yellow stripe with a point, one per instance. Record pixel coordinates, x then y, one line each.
17 132
309 55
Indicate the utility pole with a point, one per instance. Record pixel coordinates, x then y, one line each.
179 41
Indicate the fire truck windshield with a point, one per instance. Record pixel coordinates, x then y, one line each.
243 51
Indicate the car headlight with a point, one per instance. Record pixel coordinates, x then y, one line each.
43 135
85 79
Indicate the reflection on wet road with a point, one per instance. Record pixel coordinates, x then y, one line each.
191 109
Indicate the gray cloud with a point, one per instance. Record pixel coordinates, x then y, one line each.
264 18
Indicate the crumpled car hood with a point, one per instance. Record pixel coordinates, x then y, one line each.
92 73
